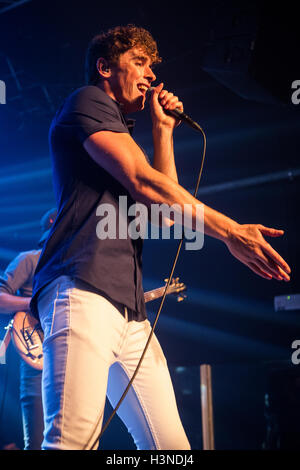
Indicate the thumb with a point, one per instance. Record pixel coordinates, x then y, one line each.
158 88
156 91
270 232
155 106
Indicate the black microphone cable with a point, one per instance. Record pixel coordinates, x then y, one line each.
198 128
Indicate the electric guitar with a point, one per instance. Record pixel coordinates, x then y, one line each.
27 334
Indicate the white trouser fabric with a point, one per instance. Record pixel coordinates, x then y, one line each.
91 350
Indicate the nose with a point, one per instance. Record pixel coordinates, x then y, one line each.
149 74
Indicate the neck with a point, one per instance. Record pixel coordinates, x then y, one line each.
105 86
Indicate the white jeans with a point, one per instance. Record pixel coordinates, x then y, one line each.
91 350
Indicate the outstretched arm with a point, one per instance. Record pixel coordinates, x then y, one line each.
118 154
240 239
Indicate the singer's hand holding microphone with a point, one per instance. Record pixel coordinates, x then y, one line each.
172 107
162 103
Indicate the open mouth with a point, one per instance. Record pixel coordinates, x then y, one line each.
142 88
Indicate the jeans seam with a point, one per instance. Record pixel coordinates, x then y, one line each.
52 326
62 401
123 336
54 310
140 401
66 362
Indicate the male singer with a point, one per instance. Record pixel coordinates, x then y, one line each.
88 291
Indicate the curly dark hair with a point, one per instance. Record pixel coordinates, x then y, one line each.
111 44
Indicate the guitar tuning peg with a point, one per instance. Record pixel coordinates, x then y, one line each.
181 297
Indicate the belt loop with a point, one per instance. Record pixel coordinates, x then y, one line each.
126 314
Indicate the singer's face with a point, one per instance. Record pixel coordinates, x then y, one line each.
130 79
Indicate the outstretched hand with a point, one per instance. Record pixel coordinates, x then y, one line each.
248 245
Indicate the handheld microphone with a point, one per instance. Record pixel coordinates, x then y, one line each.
177 113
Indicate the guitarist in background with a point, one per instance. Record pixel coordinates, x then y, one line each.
15 296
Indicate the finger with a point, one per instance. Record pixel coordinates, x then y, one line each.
269 251
158 88
162 94
166 99
176 105
270 265
169 101
271 268
173 103
259 271
154 97
156 91
270 232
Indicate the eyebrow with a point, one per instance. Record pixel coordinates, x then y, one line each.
144 58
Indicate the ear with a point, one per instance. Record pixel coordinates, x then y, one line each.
103 68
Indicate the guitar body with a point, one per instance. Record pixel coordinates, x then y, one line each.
27 336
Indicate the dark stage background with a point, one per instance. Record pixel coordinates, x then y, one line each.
233 65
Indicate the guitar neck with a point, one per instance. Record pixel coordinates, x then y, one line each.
154 294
